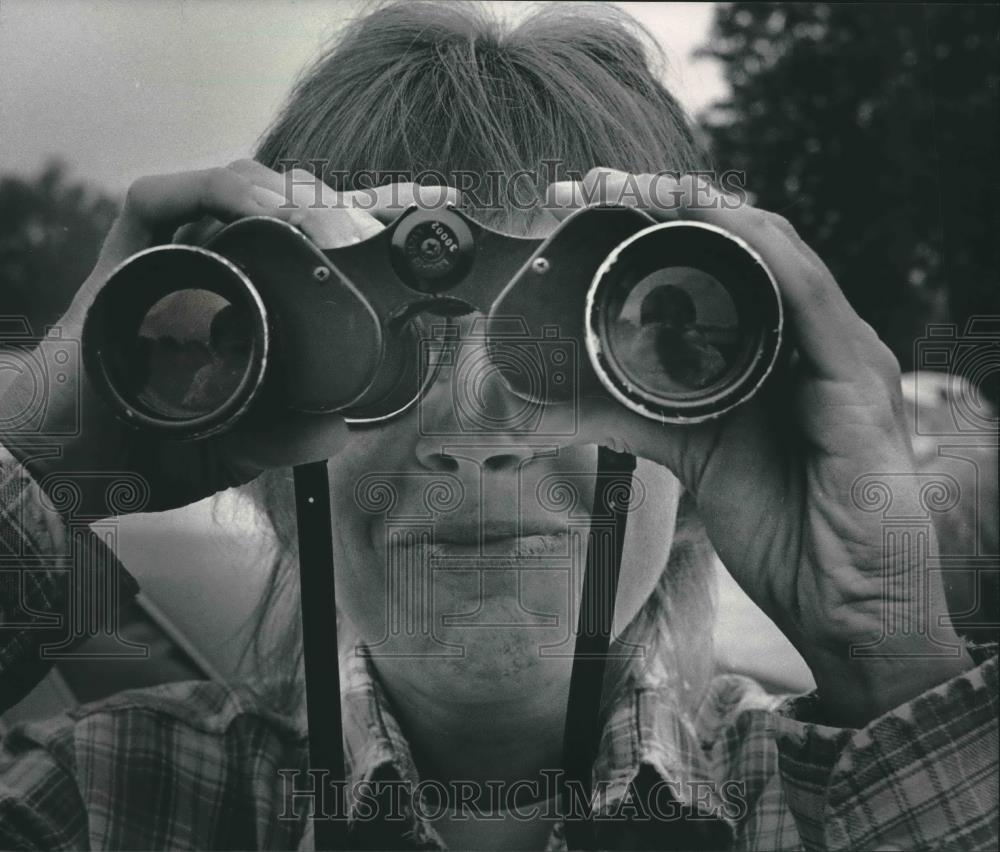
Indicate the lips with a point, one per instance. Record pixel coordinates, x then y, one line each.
458 543
464 531
512 552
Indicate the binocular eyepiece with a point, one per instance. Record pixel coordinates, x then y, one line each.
679 321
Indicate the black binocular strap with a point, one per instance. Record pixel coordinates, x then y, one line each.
581 738
320 654
322 664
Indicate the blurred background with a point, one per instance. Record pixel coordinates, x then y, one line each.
872 127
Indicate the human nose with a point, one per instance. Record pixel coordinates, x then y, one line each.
469 417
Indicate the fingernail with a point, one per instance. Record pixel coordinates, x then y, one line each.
267 198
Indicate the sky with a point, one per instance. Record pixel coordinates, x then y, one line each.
120 89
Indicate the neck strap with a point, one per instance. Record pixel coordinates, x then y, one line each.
320 655
322 663
597 610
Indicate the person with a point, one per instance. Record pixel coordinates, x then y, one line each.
455 681
681 348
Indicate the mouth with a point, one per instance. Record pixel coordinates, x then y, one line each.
509 547
457 543
462 532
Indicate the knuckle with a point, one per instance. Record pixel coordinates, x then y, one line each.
603 180
822 287
780 224
896 402
594 174
139 194
889 407
757 220
886 370
307 190
888 363
430 196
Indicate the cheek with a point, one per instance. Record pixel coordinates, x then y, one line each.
648 539
359 573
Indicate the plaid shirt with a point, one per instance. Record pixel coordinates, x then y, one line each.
205 765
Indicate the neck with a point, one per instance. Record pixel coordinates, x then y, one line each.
499 729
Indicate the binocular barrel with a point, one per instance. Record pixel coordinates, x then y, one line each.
677 321
178 340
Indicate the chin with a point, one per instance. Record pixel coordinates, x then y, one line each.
495 664
497 610
498 621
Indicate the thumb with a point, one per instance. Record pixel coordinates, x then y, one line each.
683 450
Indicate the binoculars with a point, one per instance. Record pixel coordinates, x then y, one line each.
677 321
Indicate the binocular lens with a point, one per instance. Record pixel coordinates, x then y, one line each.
676 331
177 339
189 355
684 322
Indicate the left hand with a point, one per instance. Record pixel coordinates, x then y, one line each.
773 479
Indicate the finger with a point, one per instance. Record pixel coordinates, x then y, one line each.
659 194
832 339
198 233
297 188
386 202
164 201
157 205
334 227
330 219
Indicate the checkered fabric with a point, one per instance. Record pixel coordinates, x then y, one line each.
206 765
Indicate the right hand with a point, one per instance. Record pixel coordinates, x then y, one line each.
177 473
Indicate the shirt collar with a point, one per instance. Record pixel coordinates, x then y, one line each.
373 740
646 726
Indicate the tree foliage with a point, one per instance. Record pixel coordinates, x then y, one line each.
874 129
51 229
